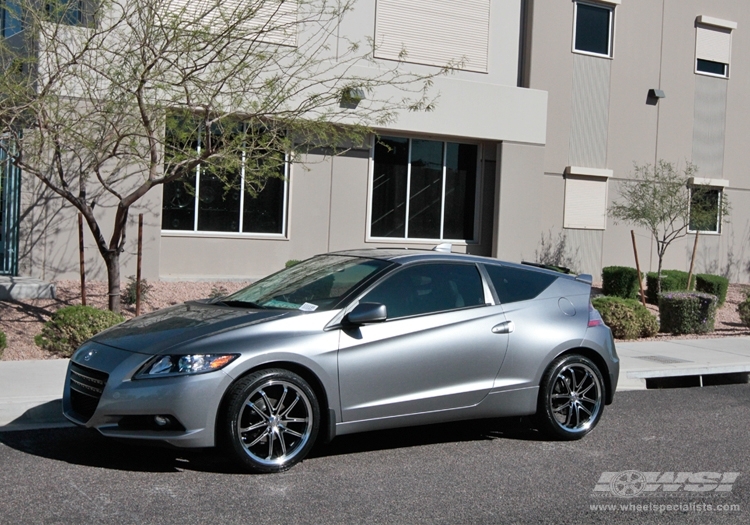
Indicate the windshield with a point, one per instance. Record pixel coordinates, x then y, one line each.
313 285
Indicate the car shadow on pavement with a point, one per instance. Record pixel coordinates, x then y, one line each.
86 447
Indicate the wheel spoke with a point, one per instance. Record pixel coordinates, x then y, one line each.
295 420
289 409
583 392
292 432
258 410
560 396
581 407
268 402
258 439
281 442
270 445
281 401
253 427
561 407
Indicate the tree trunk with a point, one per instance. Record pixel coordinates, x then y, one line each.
113 277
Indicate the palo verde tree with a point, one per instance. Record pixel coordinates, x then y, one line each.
660 199
105 104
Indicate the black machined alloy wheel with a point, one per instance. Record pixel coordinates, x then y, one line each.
571 397
272 420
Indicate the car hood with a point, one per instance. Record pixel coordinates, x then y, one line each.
164 329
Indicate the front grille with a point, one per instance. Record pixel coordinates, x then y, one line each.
86 387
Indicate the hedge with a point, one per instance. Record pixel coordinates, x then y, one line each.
687 312
620 281
3 342
671 280
627 318
744 310
70 326
713 284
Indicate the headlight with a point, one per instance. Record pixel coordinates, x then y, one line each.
172 365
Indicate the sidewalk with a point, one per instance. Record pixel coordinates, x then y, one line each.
30 391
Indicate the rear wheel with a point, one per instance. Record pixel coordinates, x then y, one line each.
271 420
571 397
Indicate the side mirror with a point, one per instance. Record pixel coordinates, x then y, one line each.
365 313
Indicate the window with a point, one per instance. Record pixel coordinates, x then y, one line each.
713 46
593 29
514 284
585 198
423 189
706 204
64 11
220 202
11 18
428 288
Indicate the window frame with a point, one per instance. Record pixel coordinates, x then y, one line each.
716 25
195 232
420 240
692 184
609 6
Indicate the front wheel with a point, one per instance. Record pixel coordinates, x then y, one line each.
571 397
271 420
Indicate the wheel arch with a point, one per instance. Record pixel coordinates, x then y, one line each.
600 363
327 417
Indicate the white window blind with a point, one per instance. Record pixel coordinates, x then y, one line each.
271 21
714 44
586 198
434 32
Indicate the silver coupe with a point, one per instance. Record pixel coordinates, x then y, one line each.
348 342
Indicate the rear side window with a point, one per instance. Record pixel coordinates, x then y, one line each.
513 284
427 288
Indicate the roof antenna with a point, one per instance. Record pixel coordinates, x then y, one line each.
444 247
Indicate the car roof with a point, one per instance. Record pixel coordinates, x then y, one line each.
408 255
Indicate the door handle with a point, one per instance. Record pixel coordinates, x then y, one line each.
505 327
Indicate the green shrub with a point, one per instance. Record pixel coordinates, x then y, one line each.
627 318
292 262
744 310
713 284
70 326
131 288
3 342
671 281
687 312
620 281
218 291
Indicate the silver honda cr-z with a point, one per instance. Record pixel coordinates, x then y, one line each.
348 342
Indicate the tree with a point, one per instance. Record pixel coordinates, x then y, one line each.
659 199
104 105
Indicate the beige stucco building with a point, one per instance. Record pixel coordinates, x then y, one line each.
553 103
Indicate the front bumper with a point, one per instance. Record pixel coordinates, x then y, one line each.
100 393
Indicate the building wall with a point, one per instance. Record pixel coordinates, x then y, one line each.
600 116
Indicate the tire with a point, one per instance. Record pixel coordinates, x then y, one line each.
571 398
271 420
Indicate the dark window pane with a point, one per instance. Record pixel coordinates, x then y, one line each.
428 288
426 189
11 13
460 191
715 68
592 29
264 213
64 11
513 284
219 202
178 206
391 157
704 209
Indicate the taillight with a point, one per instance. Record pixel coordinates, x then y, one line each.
594 318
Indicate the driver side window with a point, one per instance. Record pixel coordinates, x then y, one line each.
428 288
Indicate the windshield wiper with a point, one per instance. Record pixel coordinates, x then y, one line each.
241 304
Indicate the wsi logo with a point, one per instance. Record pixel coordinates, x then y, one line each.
632 483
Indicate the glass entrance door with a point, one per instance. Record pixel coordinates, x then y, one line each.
9 207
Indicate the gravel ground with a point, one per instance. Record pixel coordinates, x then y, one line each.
21 321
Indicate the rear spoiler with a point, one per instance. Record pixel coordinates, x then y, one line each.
585 278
